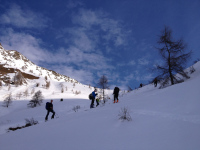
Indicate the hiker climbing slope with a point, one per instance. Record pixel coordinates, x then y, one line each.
93 98
116 94
49 108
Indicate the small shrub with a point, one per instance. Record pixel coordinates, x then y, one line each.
26 93
62 90
77 92
76 108
32 91
124 114
19 95
37 84
9 87
48 84
192 70
30 122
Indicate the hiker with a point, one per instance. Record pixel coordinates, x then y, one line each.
116 94
141 85
49 108
155 82
93 98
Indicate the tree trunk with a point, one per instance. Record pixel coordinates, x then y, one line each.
170 70
103 96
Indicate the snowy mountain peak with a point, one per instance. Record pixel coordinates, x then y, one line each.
18 74
11 61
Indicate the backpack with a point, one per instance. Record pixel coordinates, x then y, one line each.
91 96
47 105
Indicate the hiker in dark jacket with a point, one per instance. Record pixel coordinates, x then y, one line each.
50 109
93 98
155 82
116 94
141 85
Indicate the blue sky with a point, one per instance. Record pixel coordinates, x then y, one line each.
90 38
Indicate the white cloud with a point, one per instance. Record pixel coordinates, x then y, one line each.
72 4
132 63
19 17
26 44
82 63
148 77
143 61
88 18
81 75
126 81
99 22
80 39
82 54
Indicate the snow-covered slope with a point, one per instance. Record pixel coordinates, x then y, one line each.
162 119
13 59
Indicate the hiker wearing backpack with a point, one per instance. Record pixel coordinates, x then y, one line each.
49 108
93 98
116 94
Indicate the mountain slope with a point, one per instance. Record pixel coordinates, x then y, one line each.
162 119
15 60
35 78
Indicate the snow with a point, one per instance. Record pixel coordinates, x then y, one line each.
162 119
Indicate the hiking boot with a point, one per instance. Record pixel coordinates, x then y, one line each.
114 102
117 101
92 106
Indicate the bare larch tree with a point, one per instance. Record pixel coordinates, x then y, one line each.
103 83
172 53
8 100
18 79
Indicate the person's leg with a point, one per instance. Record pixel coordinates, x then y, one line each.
117 98
46 118
114 98
92 103
97 102
52 114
